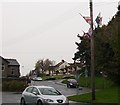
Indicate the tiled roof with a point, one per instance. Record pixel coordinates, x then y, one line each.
57 65
13 62
3 59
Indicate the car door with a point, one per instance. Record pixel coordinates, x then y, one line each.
27 94
34 95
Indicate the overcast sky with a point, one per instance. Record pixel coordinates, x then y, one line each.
33 30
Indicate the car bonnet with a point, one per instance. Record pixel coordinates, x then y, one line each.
54 97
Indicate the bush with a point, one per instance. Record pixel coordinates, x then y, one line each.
64 81
68 77
50 78
14 85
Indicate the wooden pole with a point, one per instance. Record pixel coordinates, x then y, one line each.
92 53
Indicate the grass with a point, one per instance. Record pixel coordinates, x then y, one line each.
100 82
107 91
64 81
55 76
103 96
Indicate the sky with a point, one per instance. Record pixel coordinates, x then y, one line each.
41 29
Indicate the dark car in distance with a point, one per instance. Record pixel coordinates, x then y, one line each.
72 83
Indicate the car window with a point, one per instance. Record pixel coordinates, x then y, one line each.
49 91
72 80
35 90
29 89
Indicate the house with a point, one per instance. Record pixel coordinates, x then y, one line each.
10 68
61 67
64 67
50 70
33 73
4 67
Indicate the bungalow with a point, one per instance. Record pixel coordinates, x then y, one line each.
64 67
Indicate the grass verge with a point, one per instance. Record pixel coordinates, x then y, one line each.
100 82
110 96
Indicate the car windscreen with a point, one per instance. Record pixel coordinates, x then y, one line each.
49 91
72 81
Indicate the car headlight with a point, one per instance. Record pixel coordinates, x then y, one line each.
71 84
48 100
67 101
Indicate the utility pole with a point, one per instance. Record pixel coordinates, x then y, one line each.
92 53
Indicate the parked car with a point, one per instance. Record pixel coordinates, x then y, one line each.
37 79
40 95
72 83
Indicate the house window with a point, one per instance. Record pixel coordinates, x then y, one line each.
3 67
12 72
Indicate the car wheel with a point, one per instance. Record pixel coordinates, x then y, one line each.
39 103
22 102
68 86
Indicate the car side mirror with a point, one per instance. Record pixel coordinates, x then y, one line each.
35 93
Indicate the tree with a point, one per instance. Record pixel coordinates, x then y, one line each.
38 66
107 48
43 65
83 53
47 64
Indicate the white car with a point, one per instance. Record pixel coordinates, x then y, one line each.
40 95
37 79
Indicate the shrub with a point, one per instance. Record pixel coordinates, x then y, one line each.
14 85
68 77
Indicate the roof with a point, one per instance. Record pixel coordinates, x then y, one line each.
57 65
13 62
3 59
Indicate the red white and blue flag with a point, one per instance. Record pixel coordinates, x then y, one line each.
87 19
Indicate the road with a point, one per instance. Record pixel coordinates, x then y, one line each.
10 97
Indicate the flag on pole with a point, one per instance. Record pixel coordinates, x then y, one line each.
90 31
87 19
99 19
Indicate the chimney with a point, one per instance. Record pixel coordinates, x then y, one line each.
63 61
